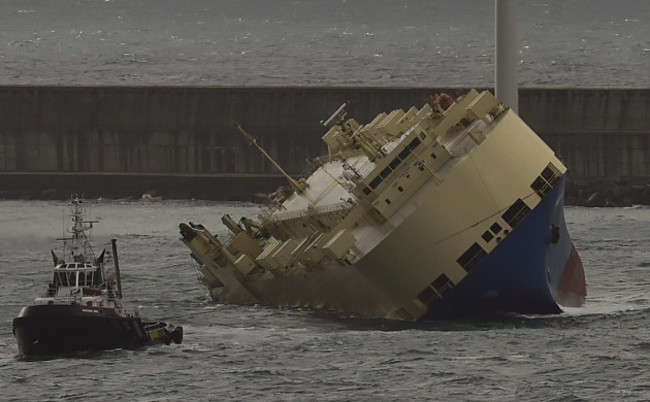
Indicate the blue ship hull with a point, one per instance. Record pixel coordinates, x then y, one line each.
532 271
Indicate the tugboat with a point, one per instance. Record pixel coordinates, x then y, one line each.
455 208
81 310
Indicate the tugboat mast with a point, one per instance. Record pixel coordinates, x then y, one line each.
80 246
117 267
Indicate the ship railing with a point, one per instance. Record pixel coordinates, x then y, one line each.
366 168
56 299
312 166
467 139
325 209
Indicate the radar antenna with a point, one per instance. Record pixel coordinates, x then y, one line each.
337 117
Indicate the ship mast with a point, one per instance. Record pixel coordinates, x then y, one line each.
297 186
116 263
80 247
505 80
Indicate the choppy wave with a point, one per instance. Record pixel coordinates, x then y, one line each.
581 43
241 352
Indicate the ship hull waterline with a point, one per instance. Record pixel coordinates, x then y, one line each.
530 272
534 270
437 212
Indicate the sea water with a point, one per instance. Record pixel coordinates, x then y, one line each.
252 352
598 352
424 43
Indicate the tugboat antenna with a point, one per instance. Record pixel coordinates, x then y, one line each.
117 266
298 186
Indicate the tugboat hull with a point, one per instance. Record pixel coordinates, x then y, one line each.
81 309
59 329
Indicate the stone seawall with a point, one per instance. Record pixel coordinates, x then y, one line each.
180 141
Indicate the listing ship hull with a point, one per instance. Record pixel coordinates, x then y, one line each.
433 213
59 329
528 273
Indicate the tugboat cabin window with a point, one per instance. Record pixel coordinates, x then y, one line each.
86 278
66 278
72 274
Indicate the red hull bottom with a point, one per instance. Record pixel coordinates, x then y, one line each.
572 288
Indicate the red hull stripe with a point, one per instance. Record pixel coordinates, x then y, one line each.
572 288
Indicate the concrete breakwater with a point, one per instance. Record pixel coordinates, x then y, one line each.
180 142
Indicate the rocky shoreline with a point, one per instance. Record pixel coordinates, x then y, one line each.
618 192
614 192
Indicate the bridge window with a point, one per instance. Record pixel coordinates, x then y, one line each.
471 257
428 295
376 182
487 236
413 144
516 213
442 284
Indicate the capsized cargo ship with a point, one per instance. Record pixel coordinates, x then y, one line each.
452 209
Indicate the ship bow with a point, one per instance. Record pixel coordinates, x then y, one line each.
534 270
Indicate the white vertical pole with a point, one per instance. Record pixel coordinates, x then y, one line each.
505 79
